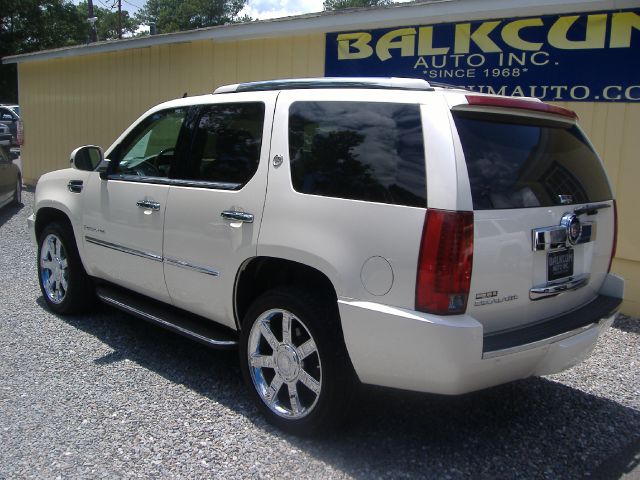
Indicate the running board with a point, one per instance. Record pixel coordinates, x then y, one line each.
166 316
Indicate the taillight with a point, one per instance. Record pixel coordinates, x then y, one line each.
615 234
444 266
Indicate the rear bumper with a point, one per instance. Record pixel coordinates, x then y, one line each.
449 355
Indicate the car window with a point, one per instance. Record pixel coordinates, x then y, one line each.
358 150
515 162
149 149
6 114
227 142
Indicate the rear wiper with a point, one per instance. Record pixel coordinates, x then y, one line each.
590 209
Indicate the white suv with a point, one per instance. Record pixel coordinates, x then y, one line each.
335 230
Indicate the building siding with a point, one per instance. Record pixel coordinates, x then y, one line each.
90 99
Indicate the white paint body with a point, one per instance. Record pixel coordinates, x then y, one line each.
369 252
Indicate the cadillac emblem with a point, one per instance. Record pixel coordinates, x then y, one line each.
571 222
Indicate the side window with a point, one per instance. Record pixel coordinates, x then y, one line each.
358 150
226 147
150 147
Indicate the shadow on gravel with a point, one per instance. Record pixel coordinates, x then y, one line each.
8 211
530 428
627 324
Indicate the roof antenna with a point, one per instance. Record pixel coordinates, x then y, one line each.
185 95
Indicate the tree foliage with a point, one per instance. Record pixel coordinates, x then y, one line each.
342 4
107 23
31 25
178 15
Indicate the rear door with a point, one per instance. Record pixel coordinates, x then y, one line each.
537 251
215 203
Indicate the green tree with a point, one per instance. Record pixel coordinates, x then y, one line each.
32 25
342 4
178 15
107 23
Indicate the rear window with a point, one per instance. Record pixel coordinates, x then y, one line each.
515 162
358 150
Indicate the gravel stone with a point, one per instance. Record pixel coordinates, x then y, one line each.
105 395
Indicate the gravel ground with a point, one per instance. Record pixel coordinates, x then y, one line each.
108 396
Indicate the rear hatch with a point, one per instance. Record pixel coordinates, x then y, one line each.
544 215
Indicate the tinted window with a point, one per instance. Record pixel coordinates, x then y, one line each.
516 163
149 149
227 143
358 150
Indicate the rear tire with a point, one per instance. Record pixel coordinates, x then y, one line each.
17 194
294 361
65 285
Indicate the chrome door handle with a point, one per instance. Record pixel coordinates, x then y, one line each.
148 204
75 186
237 216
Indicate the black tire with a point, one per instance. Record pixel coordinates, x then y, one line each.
17 194
312 318
71 290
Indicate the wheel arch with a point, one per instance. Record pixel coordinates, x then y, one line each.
48 215
260 274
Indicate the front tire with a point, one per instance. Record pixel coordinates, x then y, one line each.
65 285
294 361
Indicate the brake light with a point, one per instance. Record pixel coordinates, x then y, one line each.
615 234
519 103
444 265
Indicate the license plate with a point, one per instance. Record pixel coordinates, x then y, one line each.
559 264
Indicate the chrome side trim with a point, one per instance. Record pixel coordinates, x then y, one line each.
557 288
164 323
152 256
174 182
189 266
540 343
120 248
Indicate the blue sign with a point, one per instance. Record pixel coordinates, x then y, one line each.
592 57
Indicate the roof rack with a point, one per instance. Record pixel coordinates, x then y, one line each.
328 82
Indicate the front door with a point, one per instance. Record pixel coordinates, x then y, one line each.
123 218
214 209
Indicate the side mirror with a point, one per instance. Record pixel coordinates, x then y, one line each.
103 168
86 158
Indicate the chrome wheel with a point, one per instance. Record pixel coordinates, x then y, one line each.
54 268
284 364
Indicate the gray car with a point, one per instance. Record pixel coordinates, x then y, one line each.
10 180
10 116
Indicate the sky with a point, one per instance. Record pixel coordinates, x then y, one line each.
259 9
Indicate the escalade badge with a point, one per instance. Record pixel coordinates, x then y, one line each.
571 222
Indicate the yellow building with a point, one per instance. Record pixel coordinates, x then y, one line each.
89 94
